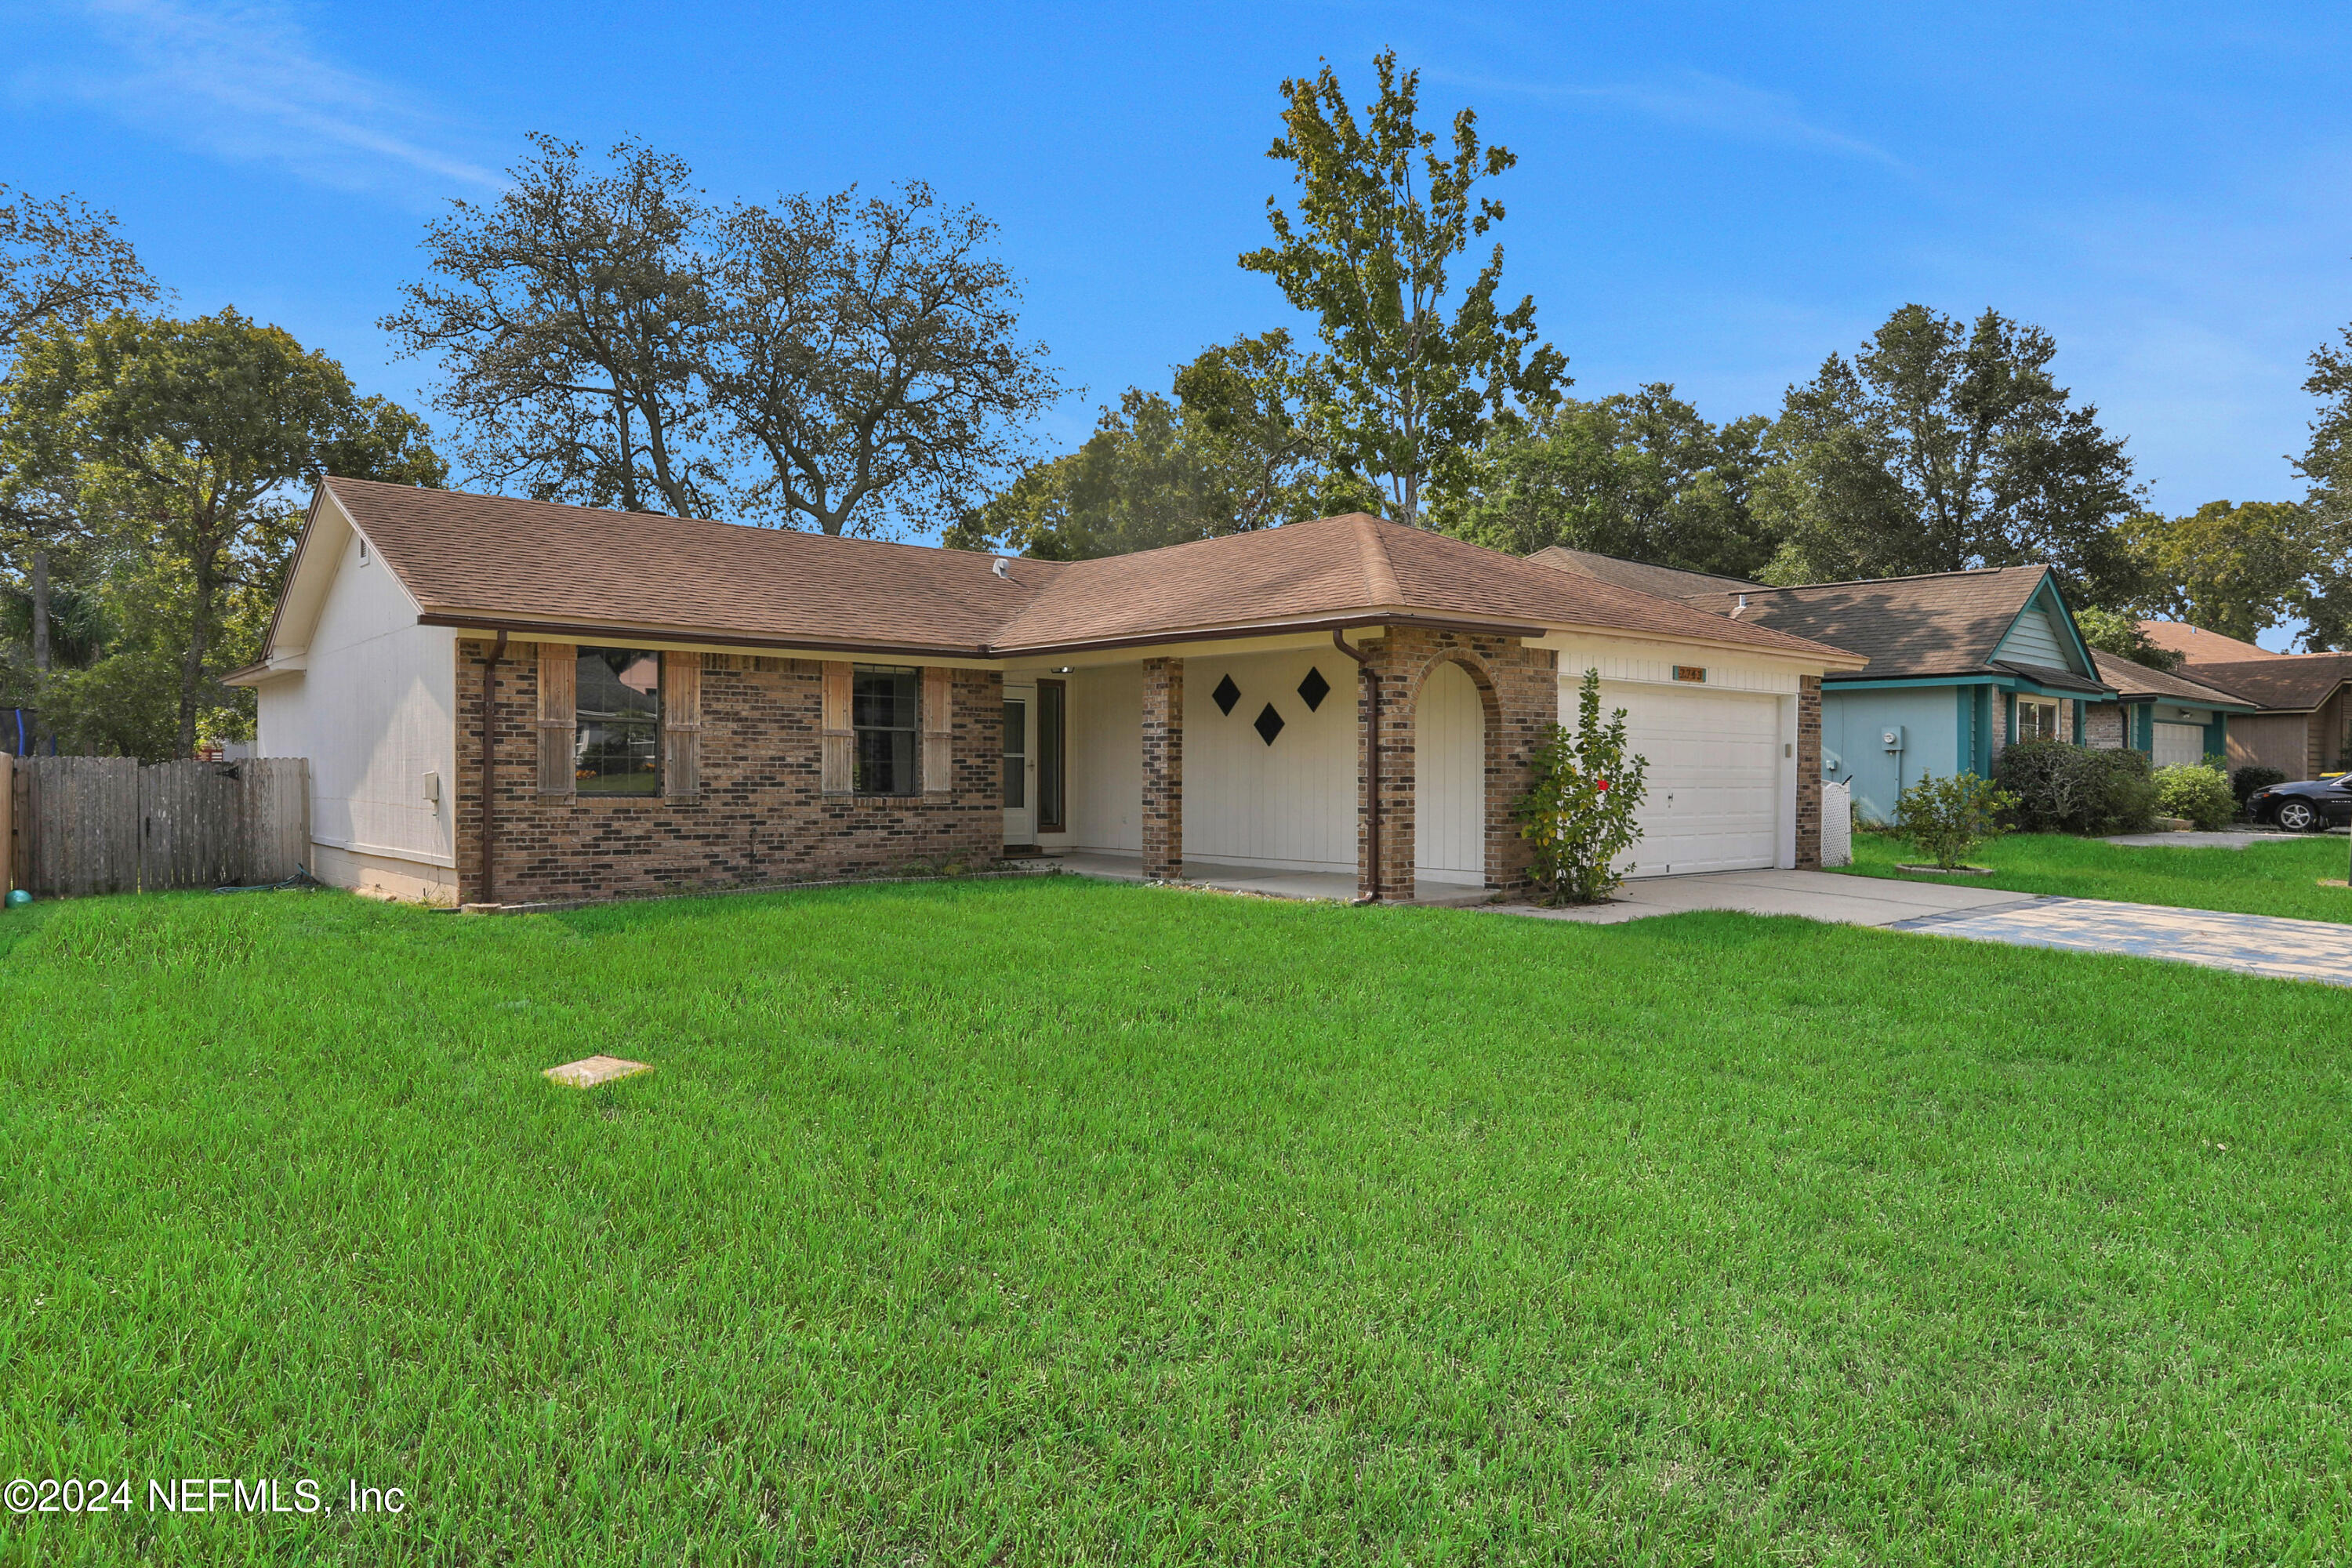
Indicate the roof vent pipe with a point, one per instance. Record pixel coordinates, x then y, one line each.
997 566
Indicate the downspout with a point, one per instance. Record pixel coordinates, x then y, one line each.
1372 760
491 758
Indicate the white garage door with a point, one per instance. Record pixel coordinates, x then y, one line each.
1713 777
2179 745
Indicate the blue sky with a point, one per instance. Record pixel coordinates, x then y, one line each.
1716 197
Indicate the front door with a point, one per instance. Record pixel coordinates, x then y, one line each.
1020 765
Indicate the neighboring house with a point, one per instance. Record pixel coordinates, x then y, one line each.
675 703
2178 722
1961 664
2301 723
2197 644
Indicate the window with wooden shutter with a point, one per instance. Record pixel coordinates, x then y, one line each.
939 732
558 695
837 742
682 726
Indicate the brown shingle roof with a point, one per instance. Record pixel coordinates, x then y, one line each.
1946 624
2278 683
2197 643
497 558
2139 680
1667 582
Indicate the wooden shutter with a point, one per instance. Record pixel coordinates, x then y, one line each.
682 726
939 729
837 742
559 680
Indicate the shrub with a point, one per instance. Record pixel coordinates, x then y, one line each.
2060 787
2199 795
1945 818
2253 777
2129 780
1579 812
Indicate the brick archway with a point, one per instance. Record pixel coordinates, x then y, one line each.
1519 696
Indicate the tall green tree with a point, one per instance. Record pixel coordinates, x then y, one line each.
1413 373
2118 632
194 440
1642 475
1941 446
60 260
2324 604
2236 568
1225 454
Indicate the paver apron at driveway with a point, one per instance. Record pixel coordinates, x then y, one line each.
2252 945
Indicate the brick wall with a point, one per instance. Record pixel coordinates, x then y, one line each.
1808 773
761 817
2103 722
1519 688
1163 767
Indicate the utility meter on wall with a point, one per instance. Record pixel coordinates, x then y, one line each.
1893 739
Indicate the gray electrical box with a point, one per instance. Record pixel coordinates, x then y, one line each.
1893 739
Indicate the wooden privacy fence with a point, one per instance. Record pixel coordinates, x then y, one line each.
112 825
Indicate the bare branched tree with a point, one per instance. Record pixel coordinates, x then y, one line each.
867 358
568 318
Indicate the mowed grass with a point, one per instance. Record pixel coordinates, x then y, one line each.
1055 1221
2276 875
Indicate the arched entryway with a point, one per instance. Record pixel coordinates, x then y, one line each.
1450 779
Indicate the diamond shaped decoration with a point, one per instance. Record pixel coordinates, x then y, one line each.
1313 689
1226 695
1268 724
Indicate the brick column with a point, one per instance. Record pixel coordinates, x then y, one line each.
1163 767
1808 773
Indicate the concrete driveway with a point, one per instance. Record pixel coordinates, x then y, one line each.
2249 944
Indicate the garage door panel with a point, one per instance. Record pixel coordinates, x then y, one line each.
1713 778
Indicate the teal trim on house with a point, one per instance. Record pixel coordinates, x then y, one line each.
2217 736
2009 735
2001 682
2078 723
2142 727
1982 759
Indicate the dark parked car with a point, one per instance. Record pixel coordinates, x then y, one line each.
2305 806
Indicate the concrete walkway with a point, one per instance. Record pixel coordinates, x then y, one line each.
2250 944
1232 879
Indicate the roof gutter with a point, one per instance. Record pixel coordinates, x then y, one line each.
1372 760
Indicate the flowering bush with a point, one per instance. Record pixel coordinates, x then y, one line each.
1945 818
1579 812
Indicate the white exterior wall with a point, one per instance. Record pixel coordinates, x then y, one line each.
374 711
1103 760
1288 807
1725 749
1449 779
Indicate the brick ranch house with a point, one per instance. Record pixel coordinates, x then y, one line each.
676 704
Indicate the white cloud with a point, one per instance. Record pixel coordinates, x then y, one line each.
243 80
1704 102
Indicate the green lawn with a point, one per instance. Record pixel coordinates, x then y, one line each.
2277 876
1056 1222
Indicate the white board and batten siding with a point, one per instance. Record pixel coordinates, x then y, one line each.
373 712
1721 779
1285 805
1103 760
1450 780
